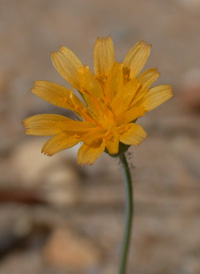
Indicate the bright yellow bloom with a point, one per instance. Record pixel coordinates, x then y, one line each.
113 98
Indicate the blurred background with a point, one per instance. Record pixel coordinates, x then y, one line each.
60 218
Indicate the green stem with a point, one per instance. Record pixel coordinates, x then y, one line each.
129 213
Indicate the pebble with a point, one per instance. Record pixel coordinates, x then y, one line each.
67 249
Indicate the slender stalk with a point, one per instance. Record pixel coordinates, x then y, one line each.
129 213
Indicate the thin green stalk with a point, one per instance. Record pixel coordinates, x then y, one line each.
129 213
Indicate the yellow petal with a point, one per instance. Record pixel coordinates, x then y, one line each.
131 115
67 64
115 81
59 142
103 56
133 134
93 137
44 124
91 90
123 98
147 78
88 154
57 95
112 143
51 124
89 84
136 59
156 96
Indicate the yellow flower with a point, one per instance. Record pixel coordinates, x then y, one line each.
113 98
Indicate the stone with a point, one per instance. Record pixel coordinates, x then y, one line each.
57 177
21 263
190 90
66 249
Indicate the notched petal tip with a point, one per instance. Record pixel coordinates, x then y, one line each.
136 58
25 123
103 56
61 49
144 43
67 64
156 96
155 70
25 126
46 153
53 53
171 88
85 163
171 94
148 45
53 56
104 38
38 85
88 154
35 86
158 72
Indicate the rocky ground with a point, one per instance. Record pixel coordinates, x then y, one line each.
60 218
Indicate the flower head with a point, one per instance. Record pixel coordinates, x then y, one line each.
113 98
